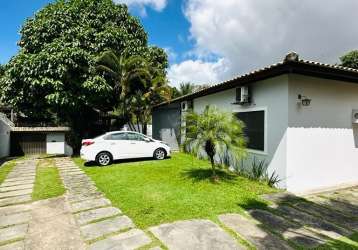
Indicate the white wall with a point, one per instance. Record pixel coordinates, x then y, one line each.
270 95
322 142
55 143
4 139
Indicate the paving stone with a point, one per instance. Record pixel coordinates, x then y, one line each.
130 240
347 197
194 234
15 193
96 214
343 207
82 197
289 231
329 215
17 187
250 230
13 219
18 245
89 204
105 227
14 209
13 232
16 183
19 179
313 223
156 248
15 200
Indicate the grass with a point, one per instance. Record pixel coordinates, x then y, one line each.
5 169
48 183
155 192
346 243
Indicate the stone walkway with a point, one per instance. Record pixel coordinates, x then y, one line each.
85 219
15 214
102 225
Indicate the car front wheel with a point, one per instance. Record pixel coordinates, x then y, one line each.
159 154
104 159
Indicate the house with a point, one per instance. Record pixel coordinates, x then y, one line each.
20 140
301 118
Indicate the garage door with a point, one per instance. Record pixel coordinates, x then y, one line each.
32 143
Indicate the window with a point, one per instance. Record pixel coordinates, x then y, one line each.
255 128
135 137
118 137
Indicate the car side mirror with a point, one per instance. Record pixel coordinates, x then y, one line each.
147 140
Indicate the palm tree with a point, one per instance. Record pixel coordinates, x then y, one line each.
141 86
215 135
186 88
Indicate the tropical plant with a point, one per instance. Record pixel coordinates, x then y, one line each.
272 179
350 59
139 83
215 135
258 169
55 71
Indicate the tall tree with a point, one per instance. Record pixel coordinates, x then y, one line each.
141 85
214 134
55 73
350 59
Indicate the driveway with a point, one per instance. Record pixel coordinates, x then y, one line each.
85 219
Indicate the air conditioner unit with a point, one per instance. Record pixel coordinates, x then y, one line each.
355 116
242 95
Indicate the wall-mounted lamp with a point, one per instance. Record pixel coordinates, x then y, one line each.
304 100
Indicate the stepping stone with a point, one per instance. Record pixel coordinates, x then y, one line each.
342 207
346 197
251 231
89 204
20 218
16 183
194 234
132 239
20 179
83 197
312 222
14 209
15 193
96 214
12 233
18 245
105 227
156 248
328 214
17 187
289 231
15 200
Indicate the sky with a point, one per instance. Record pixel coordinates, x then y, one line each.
209 41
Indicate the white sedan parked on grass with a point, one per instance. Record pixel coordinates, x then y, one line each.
122 145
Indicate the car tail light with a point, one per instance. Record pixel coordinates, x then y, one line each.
87 142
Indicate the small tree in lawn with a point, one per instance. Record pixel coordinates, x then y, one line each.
215 135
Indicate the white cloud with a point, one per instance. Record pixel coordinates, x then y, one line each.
157 5
197 71
248 34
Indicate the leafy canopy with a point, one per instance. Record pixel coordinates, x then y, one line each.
215 135
350 59
55 69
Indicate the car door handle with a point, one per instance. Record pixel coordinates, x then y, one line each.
133 143
113 143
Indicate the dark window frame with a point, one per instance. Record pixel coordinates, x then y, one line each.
259 132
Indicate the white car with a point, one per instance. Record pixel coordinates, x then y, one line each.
118 145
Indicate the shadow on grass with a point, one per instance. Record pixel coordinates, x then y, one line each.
94 164
200 174
253 204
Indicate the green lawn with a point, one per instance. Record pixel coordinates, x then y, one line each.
48 183
154 192
5 169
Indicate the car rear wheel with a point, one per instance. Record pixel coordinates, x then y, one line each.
104 159
160 154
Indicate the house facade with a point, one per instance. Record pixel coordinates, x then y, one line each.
299 116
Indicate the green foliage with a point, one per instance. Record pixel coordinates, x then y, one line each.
272 179
54 73
5 169
215 135
258 169
350 59
258 172
141 84
186 89
179 188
